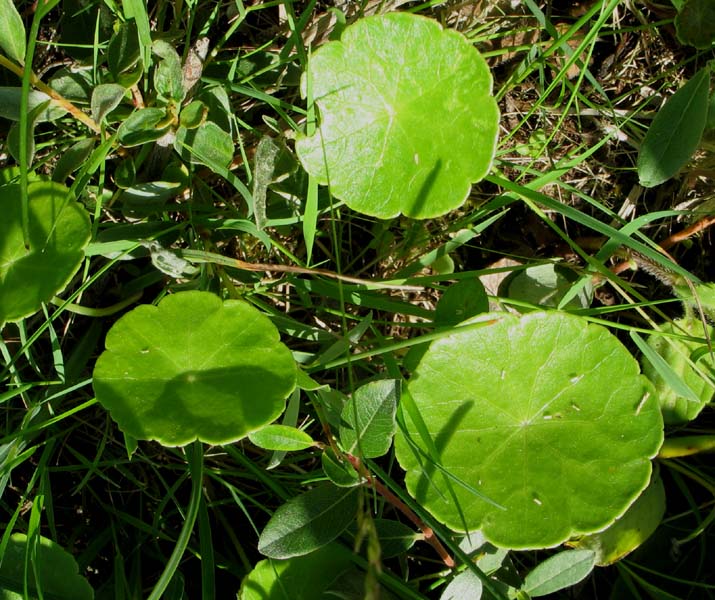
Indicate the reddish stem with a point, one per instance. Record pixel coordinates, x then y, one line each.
381 489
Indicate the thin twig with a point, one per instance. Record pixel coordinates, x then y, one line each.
380 488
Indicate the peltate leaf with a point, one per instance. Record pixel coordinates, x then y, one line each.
695 23
193 367
461 301
559 571
675 132
369 418
309 521
12 32
546 415
544 285
59 231
407 120
57 568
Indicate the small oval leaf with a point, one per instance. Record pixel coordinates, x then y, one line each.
168 76
369 418
675 132
395 538
12 32
105 98
72 159
309 521
281 437
340 472
142 126
375 146
194 367
559 571
465 585
207 145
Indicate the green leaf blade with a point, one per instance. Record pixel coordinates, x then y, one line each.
559 571
309 521
629 531
194 367
675 132
281 437
12 32
58 570
374 88
695 23
300 578
369 418
682 389
59 232
540 414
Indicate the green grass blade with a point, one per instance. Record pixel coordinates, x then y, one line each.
196 465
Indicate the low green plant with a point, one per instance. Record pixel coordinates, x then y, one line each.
524 428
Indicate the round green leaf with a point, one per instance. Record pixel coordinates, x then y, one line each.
460 301
545 415
194 367
59 576
407 120
59 231
544 285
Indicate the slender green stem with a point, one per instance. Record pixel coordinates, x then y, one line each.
196 468
96 312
